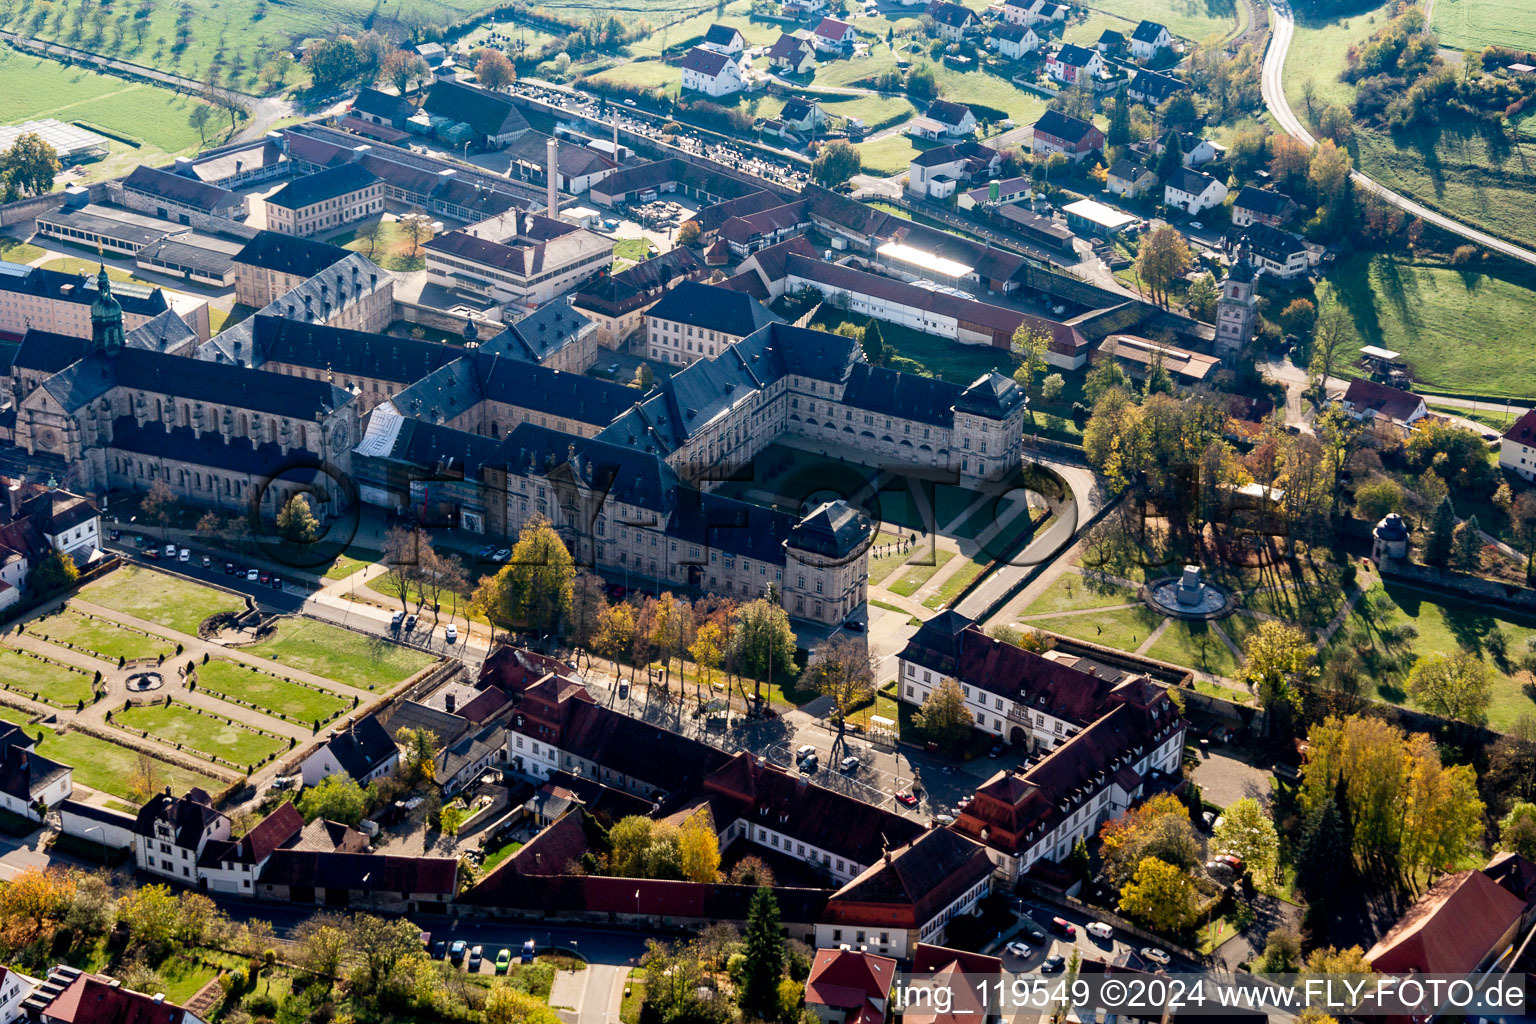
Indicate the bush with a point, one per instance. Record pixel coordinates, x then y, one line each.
261 1004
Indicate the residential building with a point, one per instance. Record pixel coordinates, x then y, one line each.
937 172
325 201
1279 254
955 119
1012 40
370 882
833 36
617 303
712 73
15 989
1072 64
1056 132
1193 192
1517 447
492 118
849 986
1033 12
273 264
232 866
543 258
1129 179
1152 88
802 115
172 833
1110 41
382 108
71 996
460 763
1149 38
952 21
1368 400
792 54
101 826
30 784
696 321
364 750
1461 923
724 39
67 522
1262 206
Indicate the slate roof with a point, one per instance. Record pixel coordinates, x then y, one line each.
834 529
788 47
188 816
410 714
331 183
81 288
54 511
1191 181
1074 55
1263 201
382 104
1155 86
180 189
616 294
797 109
710 308
1147 32
24 773
456 387
948 112
1064 126
362 748
1127 169
540 334
346 353
300 257
1010 32
488 113
952 14
722 35
706 62
365 872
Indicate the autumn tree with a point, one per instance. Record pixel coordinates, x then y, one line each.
1278 662
1158 828
1333 331
144 779
699 849
943 716
386 959
836 163
1247 832
27 168
1517 830
158 503
841 670
538 578
1458 686
1029 345
403 550
54 572
334 798
321 943
707 651
760 639
1162 257
688 234
296 523
401 67
615 632
1161 896
494 71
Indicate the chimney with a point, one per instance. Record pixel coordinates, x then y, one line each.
449 702
552 172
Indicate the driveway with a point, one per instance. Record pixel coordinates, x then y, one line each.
1227 774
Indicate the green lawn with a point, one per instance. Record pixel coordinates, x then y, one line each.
1318 53
1087 31
1498 420
876 112
160 597
1474 24
343 567
927 353
643 74
15 716
496 854
1196 645
14 250
340 654
106 766
1126 628
881 566
80 265
1192 19
856 70
691 30
887 156
1072 592
636 249
394 249
266 691
200 733
99 636
154 119
53 682
918 574
1448 626
1461 331
953 585
990 89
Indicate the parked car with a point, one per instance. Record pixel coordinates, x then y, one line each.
1100 930
229 568
451 634
1052 963
439 950
410 623
906 799
476 955
184 556
153 553
854 626
1019 950
277 583
251 574
395 620
804 751
809 765
1061 926
996 751
1155 955
457 950
264 576
170 551
503 961
850 763
1197 225
207 562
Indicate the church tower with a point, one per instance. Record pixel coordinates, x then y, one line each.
106 317
1237 311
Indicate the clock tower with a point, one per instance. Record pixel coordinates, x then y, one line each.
106 317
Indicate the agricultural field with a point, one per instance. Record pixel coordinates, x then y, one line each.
268 692
151 123
1192 19
645 74
106 766
1474 24
159 597
691 30
203 734
1317 54
53 682
99 636
355 659
1087 31
1461 330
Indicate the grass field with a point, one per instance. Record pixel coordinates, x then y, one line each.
182 726
1474 24
887 156
1192 19
55 683
107 766
156 119
1460 330
1087 31
99 636
991 90
1194 644
920 573
953 585
393 251
1125 628
636 249
160 597
15 716
343 567
1318 51
14 250
876 112
79 265
646 74
266 691
691 30
340 654
1071 592
1446 627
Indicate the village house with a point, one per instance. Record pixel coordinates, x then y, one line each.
849 986
955 119
1072 64
1056 132
1151 88
1517 446
712 73
1262 206
833 36
1368 400
724 39
363 750
1149 38
952 21
792 54
1012 40
1129 179
1193 192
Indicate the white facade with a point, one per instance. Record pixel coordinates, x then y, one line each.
1213 193
15 987
1014 49
1146 49
57 790
79 541
991 713
114 835
161 855
323 763
763 831
897 942
727 81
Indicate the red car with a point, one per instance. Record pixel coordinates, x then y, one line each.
153 553
907 799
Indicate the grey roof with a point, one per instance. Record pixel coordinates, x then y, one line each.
64 287
721 35
178 188
947 111
1064 126
788 45
439 450
1191 181
1077 56
108 222
571 159
346 353
188 816
1148 31
301 257
488 113
362 748
618 293
1270 242
833 529
708 308
908 395
991 394
182 444
623 474
1127 169
797 108
453 389
1152 84
157 373
167 332
705 62
540 334
24 773
1263 201
199 252
331 183
470 749
382 104
408 714
946 13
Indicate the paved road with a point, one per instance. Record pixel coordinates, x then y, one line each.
1279 106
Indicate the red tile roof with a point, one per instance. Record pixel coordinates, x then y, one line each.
1451 929
1394 403
97 999
1523 430
848 979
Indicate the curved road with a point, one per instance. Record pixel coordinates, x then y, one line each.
1274 99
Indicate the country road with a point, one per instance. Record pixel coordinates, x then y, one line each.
1274 99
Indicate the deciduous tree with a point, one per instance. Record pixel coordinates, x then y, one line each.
296 523
836 163
943 716
1247 832
493 70
1162 257
841 670
27 168
1458 686
538 578
761 641
1278 661
1160 895
1517 830
335 798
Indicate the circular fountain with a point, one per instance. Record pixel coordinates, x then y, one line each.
143 682
1188 596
